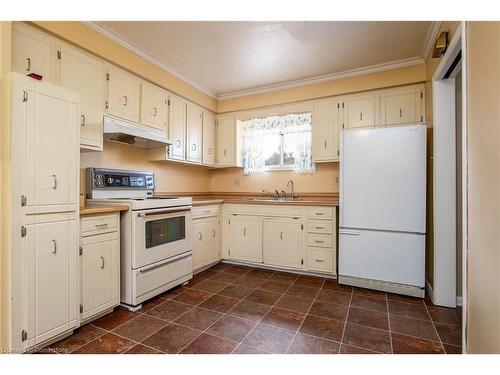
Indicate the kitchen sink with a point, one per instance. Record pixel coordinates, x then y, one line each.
274 200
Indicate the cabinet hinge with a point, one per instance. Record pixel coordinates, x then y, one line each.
107 104
107 76
229 221
229 251
302 226
59 55
81 309
338 105
23 200
24 335
421 95
338 153
168 101
23 231
80 250
421 118
342 105
342 125
25 96
302 261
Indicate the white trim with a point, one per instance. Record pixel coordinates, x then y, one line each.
428 289
459 301
430 39
145 55
323 78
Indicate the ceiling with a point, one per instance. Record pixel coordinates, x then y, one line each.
227 59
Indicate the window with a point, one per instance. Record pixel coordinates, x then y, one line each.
277 143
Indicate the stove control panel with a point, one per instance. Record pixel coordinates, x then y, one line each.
114 179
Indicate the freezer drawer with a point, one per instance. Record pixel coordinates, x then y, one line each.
385 256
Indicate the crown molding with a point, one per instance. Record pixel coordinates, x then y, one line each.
430 39
145 55
324 78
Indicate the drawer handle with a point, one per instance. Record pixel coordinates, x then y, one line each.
207 211
101 226
319 213
319 227
319 241
54 251
213 232
102 262
320 260
200 236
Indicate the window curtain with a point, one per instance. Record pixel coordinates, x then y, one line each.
296 127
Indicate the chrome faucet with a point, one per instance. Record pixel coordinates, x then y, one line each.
276 193
292 194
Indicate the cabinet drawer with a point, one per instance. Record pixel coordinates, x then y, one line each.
319 260
99 224
320 240
320 212
203 211
320 226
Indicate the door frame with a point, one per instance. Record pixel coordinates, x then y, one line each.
444 173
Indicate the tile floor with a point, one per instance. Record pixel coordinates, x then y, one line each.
234 309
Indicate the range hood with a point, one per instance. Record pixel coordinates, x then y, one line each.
121 131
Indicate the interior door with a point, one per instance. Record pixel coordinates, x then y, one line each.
208 143
246 238
325 130
123 94
153 106
51 271
51 160
31 52
282 240
177 123
194 128
85 75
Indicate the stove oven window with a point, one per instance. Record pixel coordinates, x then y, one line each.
163 231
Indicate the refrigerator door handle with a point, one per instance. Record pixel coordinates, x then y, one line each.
349 232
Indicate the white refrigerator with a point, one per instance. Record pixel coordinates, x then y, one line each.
382 208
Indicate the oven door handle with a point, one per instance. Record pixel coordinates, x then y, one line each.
163 212
169 260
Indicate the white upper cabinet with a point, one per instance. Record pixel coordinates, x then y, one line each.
177 127
84 74
361 110
194 128
31 52
208 156
45 119
282 242
154 106
402 105
325 130
225 140
123 94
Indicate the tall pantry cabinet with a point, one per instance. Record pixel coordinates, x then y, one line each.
45 184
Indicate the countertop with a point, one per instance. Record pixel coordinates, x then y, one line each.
100 209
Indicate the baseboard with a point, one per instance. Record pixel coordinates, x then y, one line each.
429 290
459 301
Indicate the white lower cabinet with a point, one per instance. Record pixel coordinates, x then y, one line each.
282 242
99 264
206 242
290 237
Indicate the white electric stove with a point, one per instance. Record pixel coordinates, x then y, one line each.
156 233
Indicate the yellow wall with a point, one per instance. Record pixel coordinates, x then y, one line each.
430 68
372 81
170 176
5 204
82 35
323 181
483 108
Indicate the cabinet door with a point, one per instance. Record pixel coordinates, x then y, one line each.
245 239
51 122
85 75
99 274
51 278
194 128
31 52
208 156
361 110
325 130
402 106
123 94
177 125
200 242
153 106
225 143
213 233
282 242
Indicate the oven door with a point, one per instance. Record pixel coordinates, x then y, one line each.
160 234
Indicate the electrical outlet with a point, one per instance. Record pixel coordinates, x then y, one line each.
236 181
